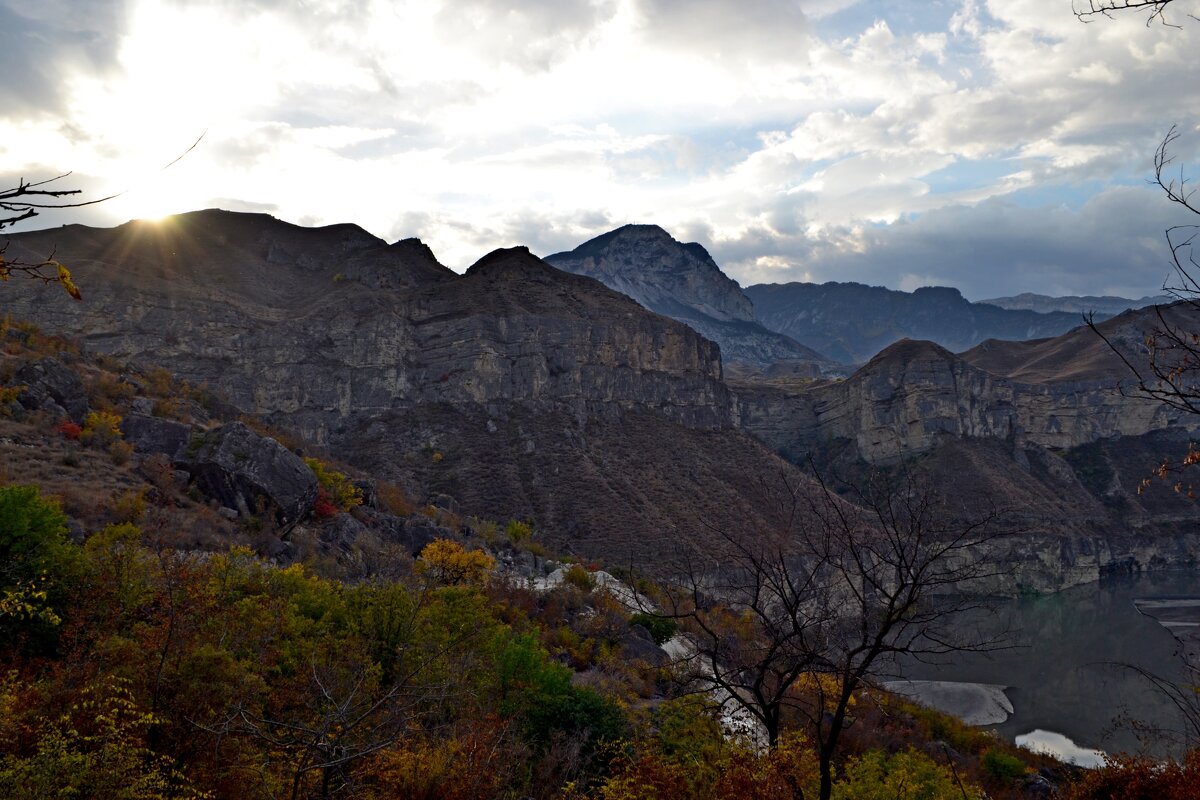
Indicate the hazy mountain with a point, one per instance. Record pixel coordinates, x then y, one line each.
851 322
1104 307
683 282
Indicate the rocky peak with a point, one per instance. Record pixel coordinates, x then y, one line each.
683 282
648 264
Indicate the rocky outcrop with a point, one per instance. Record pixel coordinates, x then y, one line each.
683 282
319 325
851 322
249 473
150 434
52 387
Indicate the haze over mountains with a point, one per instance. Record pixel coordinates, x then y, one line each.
527 392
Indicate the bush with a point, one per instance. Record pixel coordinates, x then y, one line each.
579 577
339 490
904 776
324 507
447 563
70 430
518 532
101 428
1001 766
661 628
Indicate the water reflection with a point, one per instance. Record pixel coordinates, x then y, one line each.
1063 676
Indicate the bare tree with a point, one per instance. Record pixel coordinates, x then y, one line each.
791 623
1156 9
24 201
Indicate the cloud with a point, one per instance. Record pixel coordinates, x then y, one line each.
1114 244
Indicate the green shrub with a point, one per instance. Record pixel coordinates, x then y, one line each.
518 532
661 628
1001 766
579 577
904 776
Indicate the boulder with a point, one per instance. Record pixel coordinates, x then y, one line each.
250 473
51 386
638 645
149 434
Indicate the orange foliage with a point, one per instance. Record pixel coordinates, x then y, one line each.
1138 778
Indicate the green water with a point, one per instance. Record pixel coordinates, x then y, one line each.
1063 673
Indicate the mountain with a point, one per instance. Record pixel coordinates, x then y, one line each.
522 391
851 322
1038 426
525 392
683 282
1103 307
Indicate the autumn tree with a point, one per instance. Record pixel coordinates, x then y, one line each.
790 623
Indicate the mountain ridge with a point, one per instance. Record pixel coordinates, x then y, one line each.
682 281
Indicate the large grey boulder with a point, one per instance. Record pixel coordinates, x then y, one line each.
150 434
51 386
250 473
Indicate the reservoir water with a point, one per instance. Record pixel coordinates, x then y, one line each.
1065 676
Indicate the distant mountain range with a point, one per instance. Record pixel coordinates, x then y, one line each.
851 322
811 326
683 282
1106 306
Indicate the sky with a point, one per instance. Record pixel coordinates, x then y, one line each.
999 146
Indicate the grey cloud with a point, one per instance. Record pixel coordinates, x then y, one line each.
42 41
1113 244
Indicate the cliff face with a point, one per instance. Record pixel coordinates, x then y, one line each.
1055 393
328 323
851 322
683 282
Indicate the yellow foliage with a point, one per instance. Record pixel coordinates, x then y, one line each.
447 563
101 427
344 494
